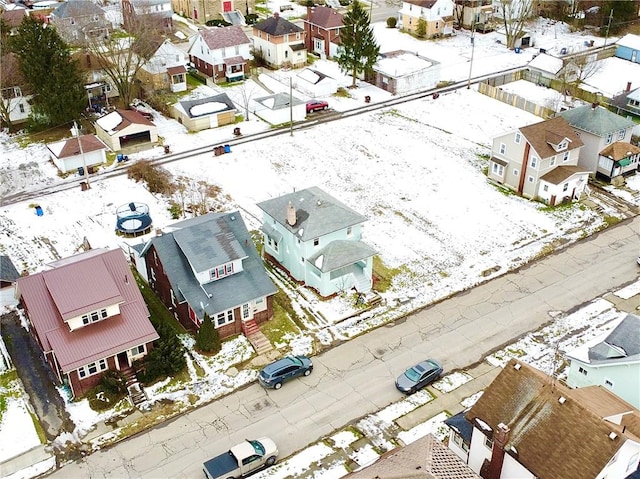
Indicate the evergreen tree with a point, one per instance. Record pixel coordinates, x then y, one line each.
51 73
208 339
359 50
421 28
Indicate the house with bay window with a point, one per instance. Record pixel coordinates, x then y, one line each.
540 161
318 240
87 315
209 265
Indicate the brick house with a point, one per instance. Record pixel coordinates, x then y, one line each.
209 264
87 315
322 31
221 53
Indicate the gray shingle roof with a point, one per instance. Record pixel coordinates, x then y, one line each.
8 271
212 240
277 101
623 343
221 98
277 26
318 213
340 253
77 8
598 120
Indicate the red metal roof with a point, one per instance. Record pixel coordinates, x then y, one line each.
89 282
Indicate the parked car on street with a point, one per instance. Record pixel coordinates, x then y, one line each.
316 105
419 376
275 374
242 459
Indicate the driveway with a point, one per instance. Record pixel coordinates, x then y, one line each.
36 376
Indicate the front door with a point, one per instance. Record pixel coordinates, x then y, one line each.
226 6
123 361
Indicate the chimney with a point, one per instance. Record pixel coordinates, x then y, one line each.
276 15
291 215
500 439
628 86
594 105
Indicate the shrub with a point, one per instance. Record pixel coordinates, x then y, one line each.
251 18
114 382
208 339
158 179
166 358
392 22
217 22
175 210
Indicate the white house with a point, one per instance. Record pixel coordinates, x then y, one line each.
437 16
314 83
528 425
221 53
275 109
165 69
77 152
612 361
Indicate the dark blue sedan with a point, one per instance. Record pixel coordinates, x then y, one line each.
282 370
419 376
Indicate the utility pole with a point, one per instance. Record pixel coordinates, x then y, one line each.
608 26
290 106
84 161
473 31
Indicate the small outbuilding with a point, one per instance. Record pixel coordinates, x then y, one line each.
628 48
315 84
125 129
77 152
401 72
279 108
8 277
204 113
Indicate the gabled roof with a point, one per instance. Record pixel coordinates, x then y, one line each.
207 106
318 213
596 119
622 344
278 101
77 8
620 150
325 17
422 3
214 239
340 253
277 26
13 18
541 135
79 285
553 433
71 147
121 119
223 37
547 63
461 426
312 76
8 272
562 173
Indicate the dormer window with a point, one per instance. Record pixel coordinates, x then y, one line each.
221 271
316 241
563 146
94 316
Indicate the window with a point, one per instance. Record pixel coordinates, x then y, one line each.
21 107
563 145
94 316
565 157
302 259
316 241
223 318
173 297
488 442
621 135
582 371
515 172
545 188
565 187
93 368
503 148
552 161
137 351
530 179
518 137
608 383
609 138
534 162
497 169
349 231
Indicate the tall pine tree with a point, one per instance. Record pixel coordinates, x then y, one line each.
358 51
54 77
208 339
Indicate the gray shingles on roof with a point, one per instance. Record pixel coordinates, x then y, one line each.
340 253
277 26
226 293
221 98
278 101
318 213
76 8
622 343
461 426
8 271
598 120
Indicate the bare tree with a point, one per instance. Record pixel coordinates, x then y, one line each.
514 16
12 86
246 93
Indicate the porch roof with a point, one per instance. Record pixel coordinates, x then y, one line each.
340 253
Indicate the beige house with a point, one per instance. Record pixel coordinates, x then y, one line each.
126 129
540 161
279 42
205 113
202 11
165 69
437 15
475 14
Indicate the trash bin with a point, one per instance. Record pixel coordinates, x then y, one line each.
39 211
367 99
517 49
563 51
166 148
84 186
435 95
218 150
90 170
236 131
227 148
119 157
80 170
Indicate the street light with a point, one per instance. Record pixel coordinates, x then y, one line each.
473 31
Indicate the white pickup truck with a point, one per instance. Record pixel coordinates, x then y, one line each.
242 459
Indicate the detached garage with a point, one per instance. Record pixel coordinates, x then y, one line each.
205 113
74 153
126 129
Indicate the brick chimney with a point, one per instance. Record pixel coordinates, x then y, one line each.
628 86
291 215
493 469
276 15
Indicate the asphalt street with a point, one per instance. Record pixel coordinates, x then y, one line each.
356 378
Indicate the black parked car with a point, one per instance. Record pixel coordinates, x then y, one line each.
282 370
419 376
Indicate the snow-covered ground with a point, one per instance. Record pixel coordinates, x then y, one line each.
416 171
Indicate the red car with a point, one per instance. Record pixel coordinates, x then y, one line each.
316 105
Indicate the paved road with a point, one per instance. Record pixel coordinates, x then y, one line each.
356 378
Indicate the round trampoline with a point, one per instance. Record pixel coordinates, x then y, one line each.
133 219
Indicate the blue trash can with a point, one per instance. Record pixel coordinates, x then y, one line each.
119 157
39 211
80 170
517 49
227 148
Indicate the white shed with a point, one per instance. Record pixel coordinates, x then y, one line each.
74 153
279 108
315 84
